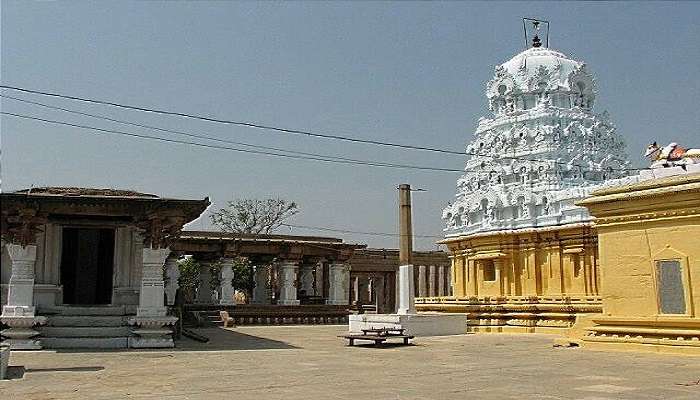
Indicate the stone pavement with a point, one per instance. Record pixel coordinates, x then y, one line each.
309 362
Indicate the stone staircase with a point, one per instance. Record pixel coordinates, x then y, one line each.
85 327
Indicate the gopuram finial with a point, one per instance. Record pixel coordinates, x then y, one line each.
537 24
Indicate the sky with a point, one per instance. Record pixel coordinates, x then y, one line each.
411 73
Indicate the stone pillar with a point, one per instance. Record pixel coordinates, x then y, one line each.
261 292
306 279
355 289
339 279
379 295
288 289
227 290
422 290
498 266
151 326
441 281
450 288
407 303
432 281
172 272
19 313
319 280
204 291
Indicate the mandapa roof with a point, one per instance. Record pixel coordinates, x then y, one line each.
78 191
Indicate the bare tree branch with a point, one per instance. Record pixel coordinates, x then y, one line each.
254 216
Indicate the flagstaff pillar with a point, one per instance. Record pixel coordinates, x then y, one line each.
406 283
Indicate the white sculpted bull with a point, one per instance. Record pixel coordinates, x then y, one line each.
671 155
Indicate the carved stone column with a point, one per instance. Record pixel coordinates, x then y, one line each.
172 272
288 289
422 292
261 292
151 326
19 313
319 279
379 295
204 290
339 279
432 281
227 290
306 279
441 281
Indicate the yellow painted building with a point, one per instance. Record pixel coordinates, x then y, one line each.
649 246
529 280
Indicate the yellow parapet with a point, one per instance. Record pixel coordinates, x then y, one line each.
525 280
649 259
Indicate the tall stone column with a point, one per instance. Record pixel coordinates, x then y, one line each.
422 291
288 288
172 272
319 280
227 290
19 313
339 280
432 281
204 290
441 281
379 295
151 326
261 292
306 279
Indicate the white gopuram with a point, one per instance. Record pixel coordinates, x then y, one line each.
542 149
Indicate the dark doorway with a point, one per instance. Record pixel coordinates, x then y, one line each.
87 263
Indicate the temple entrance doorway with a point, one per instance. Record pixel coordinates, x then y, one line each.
87 265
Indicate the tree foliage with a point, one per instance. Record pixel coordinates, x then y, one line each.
254 216
189 278
243 275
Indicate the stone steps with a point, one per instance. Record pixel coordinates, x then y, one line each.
84 311
85 327
86 321
85 342
84 332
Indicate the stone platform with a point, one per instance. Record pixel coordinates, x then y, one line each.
423 324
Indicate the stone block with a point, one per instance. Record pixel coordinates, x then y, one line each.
423 324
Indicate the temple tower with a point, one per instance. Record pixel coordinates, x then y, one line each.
524 256
542 148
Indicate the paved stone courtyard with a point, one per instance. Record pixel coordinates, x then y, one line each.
309 362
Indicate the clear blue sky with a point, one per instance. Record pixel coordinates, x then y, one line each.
403 72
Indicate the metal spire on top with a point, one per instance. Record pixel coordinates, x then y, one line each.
537 24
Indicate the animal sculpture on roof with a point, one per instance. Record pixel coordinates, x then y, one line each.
671 155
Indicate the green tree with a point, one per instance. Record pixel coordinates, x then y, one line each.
254 216
189 278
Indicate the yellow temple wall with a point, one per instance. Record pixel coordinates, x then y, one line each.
640 226
530 280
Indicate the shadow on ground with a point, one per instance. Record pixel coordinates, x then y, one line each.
14 372
225 339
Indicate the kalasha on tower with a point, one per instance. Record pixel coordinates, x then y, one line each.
524 255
